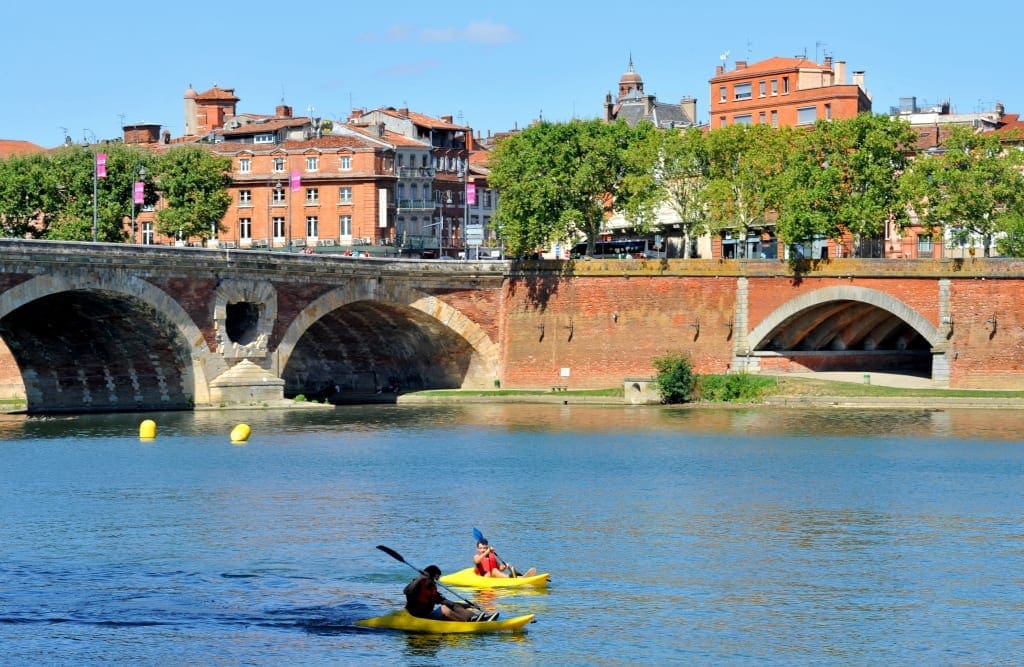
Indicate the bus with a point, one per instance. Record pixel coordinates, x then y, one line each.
619 248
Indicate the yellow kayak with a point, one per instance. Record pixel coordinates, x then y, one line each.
403 620
471 579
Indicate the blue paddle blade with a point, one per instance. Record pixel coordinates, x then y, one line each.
478 536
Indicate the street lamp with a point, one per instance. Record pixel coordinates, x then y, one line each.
138 189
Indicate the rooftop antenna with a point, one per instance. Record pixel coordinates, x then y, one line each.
724 58
749 44
121 116
820 46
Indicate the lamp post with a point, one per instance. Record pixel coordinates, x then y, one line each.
137 195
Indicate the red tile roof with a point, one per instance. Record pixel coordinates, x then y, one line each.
9 147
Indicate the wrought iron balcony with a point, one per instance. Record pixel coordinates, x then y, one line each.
416 205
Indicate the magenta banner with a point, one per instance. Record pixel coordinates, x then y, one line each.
101 165
139 192
296 179
471 194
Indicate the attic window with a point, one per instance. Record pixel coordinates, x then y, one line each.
265 138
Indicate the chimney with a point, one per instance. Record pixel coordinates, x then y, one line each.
403 112
840 71
741 64
828 62
689 108
858 79
446 119
719 69
283 111
1000 109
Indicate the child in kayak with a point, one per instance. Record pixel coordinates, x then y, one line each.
489 565
422 599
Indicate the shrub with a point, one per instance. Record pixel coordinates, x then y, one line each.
739 388
675 379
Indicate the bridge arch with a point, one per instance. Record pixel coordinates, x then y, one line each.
372 334
104 341
845 327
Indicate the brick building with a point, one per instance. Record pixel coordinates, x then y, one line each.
785 92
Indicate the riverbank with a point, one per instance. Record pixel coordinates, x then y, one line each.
833 390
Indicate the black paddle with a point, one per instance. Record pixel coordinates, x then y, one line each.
397 556
480 538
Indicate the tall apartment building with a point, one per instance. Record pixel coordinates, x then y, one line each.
785 92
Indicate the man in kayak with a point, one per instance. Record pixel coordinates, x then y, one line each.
488 564
422 599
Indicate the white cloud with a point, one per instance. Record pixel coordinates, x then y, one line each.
477 32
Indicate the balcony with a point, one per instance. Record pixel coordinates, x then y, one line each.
415 172
416 205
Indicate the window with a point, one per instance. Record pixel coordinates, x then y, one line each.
806 115
924 245
266 138
245 197
312 195
742 91
345 195
147 233
775 86
775 118
312 163
245 228
345 225
244 165
760 118
346 162
278 195
278 227
828 112
785 85
743 119
721 93
312 226
760 89
279 164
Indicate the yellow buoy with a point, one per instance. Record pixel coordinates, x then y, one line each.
147 430
240 433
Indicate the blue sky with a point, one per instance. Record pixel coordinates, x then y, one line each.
90 67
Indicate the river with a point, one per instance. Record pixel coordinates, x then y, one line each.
674 536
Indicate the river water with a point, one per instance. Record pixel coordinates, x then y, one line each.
734 536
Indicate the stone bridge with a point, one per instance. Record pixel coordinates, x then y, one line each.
98 327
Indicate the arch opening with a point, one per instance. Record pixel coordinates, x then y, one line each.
367 349
98 351
844 335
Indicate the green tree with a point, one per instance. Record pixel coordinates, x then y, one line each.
1011 243
844 175
558 180
970 188
22 193
69 210
744 163
670 168
193 183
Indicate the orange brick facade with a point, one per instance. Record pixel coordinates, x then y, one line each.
785 92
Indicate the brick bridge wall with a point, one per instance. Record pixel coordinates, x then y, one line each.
586 324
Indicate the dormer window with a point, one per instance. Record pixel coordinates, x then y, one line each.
265 138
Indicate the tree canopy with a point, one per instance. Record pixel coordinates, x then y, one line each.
558 180
194 185
970 188
844 175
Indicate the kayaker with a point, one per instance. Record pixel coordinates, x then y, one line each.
489 565
422 599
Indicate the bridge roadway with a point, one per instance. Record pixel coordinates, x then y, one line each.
108 327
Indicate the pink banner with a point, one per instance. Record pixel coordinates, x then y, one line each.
471 194
101 165
140 189
296 180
